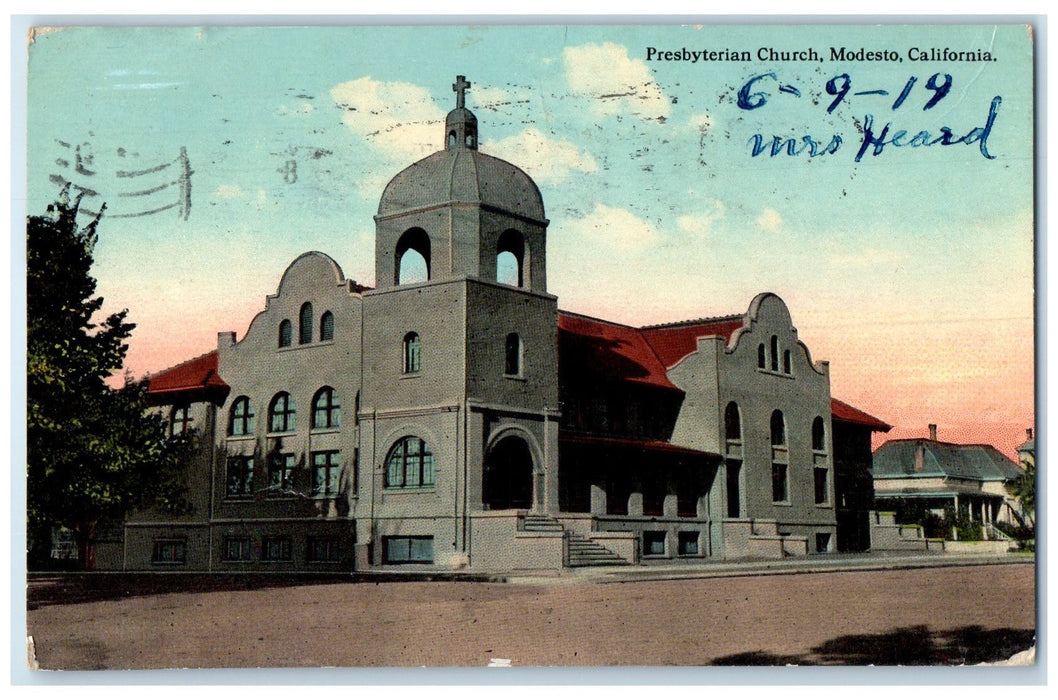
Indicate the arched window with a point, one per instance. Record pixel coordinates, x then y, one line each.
327 326
286 333
305 324
409 464
412 354
281 413
775 353
778 429
413 257
786 361
180 420
512 364
510 258
240 420
761 361
326 412
732 422
818 435
452 139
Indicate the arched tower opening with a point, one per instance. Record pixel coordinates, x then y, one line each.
511 259
412 261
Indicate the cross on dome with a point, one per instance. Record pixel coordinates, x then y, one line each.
459 87
461 126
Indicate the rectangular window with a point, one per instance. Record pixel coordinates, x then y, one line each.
275 549
169 552
734 498
821 486
688 542
412 354
240 476
281 472
323 549
325 472
653 543
779 491
237 549
408 550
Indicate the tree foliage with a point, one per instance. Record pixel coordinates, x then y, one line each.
94 453
1024 487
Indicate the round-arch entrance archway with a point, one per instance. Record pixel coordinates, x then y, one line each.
508 478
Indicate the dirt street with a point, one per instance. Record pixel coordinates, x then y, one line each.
923 616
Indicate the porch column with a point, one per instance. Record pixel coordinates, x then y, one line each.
549 480
635 502
598 500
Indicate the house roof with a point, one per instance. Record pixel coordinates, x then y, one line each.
674 341
606 352
920 457
194 380
839 410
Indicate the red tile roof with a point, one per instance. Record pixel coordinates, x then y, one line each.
674 341
611 352
194 380
840 410
632 443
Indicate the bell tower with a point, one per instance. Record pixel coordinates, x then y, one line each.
460 360
461 213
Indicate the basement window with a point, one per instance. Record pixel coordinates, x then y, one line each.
653 543
408 550
169 552
688 544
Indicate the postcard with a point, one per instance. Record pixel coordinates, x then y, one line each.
376 346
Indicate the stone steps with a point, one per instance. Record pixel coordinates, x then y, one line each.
541 523
584 552
581 550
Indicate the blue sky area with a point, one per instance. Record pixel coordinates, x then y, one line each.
910 270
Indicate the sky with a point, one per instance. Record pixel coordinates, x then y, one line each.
224 153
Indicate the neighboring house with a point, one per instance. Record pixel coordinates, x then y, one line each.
970 479
1027 449
453 417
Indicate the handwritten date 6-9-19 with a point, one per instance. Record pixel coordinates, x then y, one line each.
755 94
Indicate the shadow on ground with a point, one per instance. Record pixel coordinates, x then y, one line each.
906 646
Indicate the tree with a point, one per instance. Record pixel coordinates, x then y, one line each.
93 453
1024 488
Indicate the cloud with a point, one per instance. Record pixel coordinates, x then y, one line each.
702 121
618 229
400 120
303 107
259 199
614 82
700 224
544 158
229 192
769 220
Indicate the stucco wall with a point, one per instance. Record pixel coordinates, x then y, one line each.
718 374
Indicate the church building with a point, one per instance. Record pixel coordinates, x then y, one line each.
452 417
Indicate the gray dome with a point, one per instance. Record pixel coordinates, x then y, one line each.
464 176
